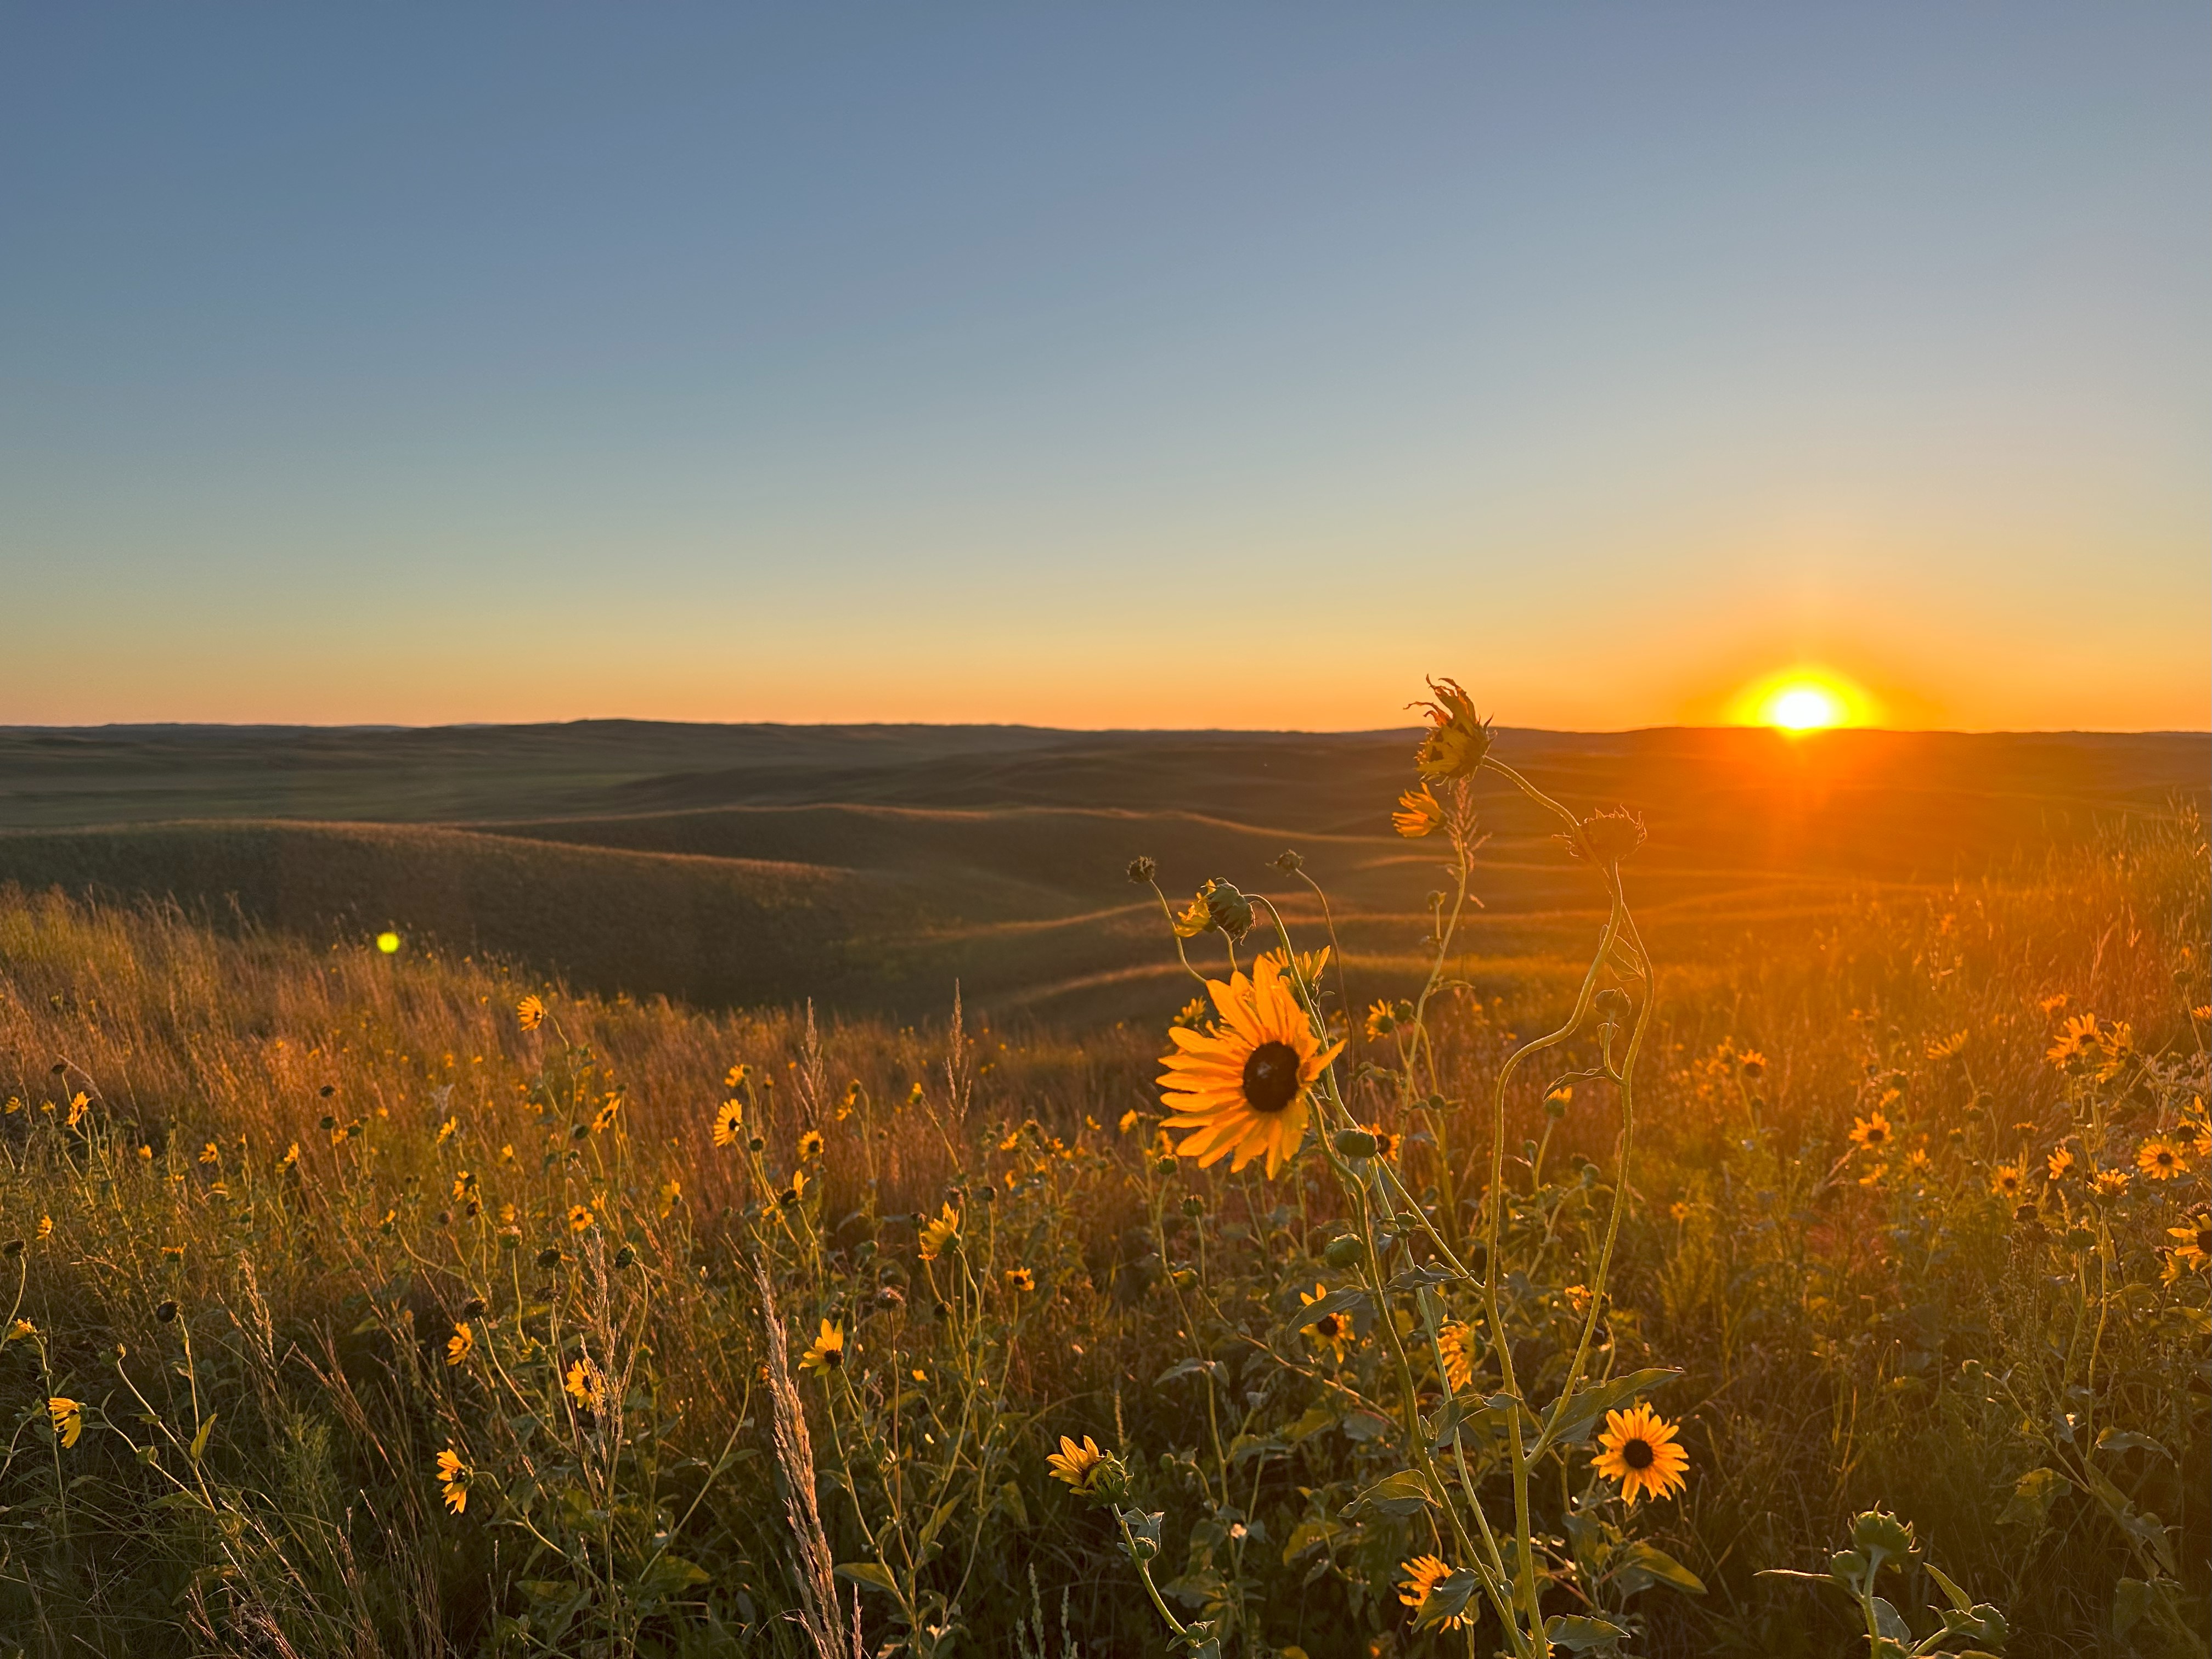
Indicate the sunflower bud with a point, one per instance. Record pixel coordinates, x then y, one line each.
475 1308
1142 871
626 1257
166 1310
1228 908
1354 1143
1289 862
549 1257
1457 739
1604 838
1342 1253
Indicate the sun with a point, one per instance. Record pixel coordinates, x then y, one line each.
1803 700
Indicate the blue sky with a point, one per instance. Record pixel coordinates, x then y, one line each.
1140 365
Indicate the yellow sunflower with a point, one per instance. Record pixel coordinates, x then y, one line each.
1244 1087
530 1013
2058 1163
1870 1133
1078 1466
1419 814
461 1344
1332 1331
453 1480
579 1218
1458 1341
583 1385
2160 1159
826 1353
67 1418
729 1123
1423 1574
938 1236
810 1143
2196 1246
1457 738
2005 1180
2076 1038
2111 1183
1637 1449
1020 1279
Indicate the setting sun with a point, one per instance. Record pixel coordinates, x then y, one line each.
1804 699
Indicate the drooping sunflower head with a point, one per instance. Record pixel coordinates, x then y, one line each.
938 1236
1076 1465
2196 1247
1419 814
1637 1447
1244 1087
1423 1574
1457 739
67 1418
1604 838
530 1012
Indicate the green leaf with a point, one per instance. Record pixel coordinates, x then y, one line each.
1447 1598
1401 1494
1350 1300
1888 1621
1651 1566
2121 1440
1572 1629
869 1573
2032 1496
1588 1406
200 1440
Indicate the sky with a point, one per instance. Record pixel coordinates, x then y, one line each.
1141 365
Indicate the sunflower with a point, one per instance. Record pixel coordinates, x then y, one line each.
2111 1183
1419 814
461 1344
1423 1574
1332 1331
1753 1062
579 1218
530 1013
792 1194
1457 739
1244 1087
938 1236
2160 1159
603 1120
67 1417
1382 1020
1638 1450
826 1353
453 1480
1870 1133
1457 1341
729 1123
1020 1279
1386 1142
583 1385
2196 1247
811 1144
210 1153
1078 1466
2076 1038
2060 1160
2005 1180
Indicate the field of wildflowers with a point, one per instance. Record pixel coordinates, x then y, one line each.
1846 1299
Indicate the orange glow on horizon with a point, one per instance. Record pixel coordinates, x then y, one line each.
1804 699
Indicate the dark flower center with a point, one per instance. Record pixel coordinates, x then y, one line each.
2204 1241
1876 1137
1270 1077
1636 1454
1326 1326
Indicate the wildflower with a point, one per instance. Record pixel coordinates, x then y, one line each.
453 1480
210 1153
146 1150
1578 1298
2196 1248
583 1385
67 1418
2111 1183
1870 1133
2052 1005
2076 1038
796 1191
2059 1162
464 1184
604 1119
736 1076
671 1195
530 1012
1020 1279
79 1104
45 1226
1918 1162
507 1214
1244 1087
291 1158
1752 1063
1423 1574
2005 1180
1419 814
826 1353
810 1143
1874 1176
1604 838
1456 739
941 1235
1196 1014
1386 1142
729 1123
449 1129
1637 1449
1078 1466
1332 1331
1947 1047
1679 1210
1130 1121
1384 1018
21 1328
1457 1339
461 1344
2160 1159
579 1218
1217 906
1142 871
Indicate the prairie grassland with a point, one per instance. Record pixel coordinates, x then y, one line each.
358 1312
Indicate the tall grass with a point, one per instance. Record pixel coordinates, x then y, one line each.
254 1342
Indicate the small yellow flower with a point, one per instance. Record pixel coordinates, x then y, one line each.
1679 1210
291 1158
810 1143
2160 1159
579 1218
1131 1120
938 1236
461 1344
2076 1038
1874 1176
449 1129
508 1213
1382 1020
1945 1048
45 1226
464 1184
1753 1062
797 1190
1020 1279
603 1120
1419 814
1332 1331
2111 1183
671 1195
1637 1449
1458 1341
2196 1247
79 1104
1078 1466
584 1386
2059 1162
1423 1574
67 1418
146 1152
210 1153
730 1123
453 1480
736 1076
826 1353
1870 1133
530 1012
22 1328
2005 1180
1457 739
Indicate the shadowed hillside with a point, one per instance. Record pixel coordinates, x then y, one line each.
875 866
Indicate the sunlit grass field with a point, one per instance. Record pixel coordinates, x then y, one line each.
372 1301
